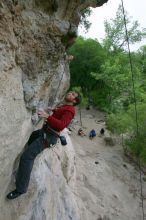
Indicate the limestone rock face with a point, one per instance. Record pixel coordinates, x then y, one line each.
34 35
51 190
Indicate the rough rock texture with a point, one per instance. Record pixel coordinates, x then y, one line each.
34 35
51 191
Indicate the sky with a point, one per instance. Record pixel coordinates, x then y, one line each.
135 8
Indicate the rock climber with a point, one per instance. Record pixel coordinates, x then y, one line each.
44 138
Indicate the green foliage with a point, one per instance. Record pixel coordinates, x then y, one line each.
115 78
137 145
88 57
115 32
119 123
103 75
132 124
84 23
126 121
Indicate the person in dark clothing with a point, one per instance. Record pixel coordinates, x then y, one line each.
102 131
40 139
92 134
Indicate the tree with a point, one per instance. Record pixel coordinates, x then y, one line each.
141 56
115 38
84 23
88 57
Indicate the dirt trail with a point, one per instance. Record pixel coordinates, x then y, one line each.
107 183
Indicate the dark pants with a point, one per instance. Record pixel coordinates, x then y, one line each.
35 145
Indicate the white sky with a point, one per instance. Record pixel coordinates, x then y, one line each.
135 8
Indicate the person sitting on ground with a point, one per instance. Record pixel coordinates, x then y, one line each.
102 131
88 107
92 134
44 138
81 132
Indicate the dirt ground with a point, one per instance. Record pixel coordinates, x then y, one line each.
108 185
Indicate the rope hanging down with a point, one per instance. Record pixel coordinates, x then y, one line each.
81 124
135 104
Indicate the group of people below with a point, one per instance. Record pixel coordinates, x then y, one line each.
92 133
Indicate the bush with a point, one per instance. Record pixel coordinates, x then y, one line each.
125 122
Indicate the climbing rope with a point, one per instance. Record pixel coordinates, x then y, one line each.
81 124
135 105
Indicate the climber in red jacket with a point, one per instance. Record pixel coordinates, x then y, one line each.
45 137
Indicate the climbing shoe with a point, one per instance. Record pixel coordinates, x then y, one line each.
14 194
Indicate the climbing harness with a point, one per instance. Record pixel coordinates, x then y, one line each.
135 105
62 138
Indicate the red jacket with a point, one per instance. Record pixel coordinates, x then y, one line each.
61 117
